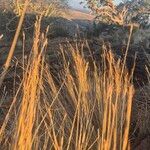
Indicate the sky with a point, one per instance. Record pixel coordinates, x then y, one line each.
76 4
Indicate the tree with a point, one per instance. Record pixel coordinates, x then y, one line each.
138 12
125 13
45 7
107 10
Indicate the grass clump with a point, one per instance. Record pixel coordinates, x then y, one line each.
85 105
83 109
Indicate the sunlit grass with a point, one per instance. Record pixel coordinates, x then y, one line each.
84 106
86 109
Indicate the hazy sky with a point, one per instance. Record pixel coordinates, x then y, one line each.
75 3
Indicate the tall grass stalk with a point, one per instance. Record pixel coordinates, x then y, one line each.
30 95
83 106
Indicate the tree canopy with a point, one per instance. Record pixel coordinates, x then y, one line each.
124 13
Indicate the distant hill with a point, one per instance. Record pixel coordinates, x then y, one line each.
79 14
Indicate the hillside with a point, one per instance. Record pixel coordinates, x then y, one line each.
79 15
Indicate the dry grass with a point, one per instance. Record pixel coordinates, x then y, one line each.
84 110
7 63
